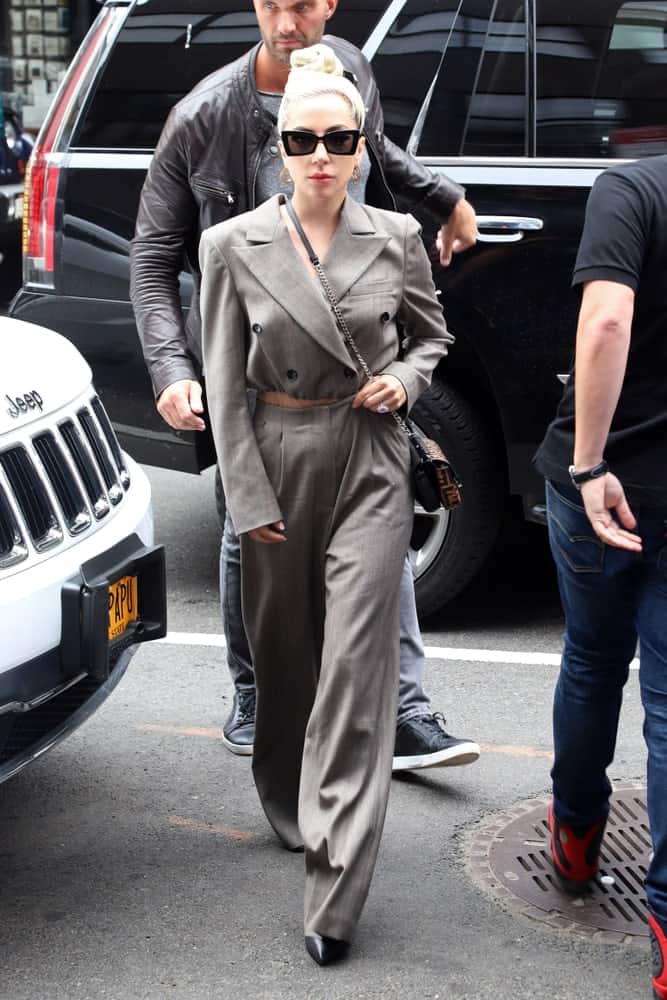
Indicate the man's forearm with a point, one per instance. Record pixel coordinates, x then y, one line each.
603 342
154 291
166 221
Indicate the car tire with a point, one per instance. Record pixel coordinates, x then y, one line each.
220 503
449 548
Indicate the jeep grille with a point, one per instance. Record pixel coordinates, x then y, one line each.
61 478
12 545
32 498
65 486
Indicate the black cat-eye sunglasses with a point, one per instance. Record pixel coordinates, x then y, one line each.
343 142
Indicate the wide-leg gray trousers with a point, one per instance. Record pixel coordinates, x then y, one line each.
322 615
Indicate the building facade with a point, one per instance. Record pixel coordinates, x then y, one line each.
37 41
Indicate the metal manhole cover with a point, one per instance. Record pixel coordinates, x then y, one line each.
512 858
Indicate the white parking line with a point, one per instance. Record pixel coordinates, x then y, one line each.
431 652
193 639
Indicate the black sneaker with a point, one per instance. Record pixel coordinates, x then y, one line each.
423 742
238 732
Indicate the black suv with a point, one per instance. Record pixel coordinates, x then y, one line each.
522 101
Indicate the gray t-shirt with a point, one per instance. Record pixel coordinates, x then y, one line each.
268 176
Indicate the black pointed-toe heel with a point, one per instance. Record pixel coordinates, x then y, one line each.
325 950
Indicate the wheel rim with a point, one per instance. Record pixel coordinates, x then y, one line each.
436 525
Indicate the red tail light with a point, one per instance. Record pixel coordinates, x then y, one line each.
40 200
39 214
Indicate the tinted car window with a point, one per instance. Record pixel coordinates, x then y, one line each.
478 106
601 78
355 19
408 59
165 48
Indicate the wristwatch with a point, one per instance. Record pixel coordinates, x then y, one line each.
579 478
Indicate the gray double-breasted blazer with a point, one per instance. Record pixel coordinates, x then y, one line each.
266 324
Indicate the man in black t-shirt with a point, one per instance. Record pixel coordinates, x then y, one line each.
605 460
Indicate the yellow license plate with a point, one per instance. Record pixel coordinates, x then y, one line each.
123 605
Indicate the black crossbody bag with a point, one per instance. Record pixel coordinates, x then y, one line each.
435 482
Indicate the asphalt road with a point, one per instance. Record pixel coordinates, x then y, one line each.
135 861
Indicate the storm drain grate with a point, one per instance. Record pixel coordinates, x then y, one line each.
512 858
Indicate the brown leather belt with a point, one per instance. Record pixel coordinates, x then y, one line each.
290 402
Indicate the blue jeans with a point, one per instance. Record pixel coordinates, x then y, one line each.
611 598
412 699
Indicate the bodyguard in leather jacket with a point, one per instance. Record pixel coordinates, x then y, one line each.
204 171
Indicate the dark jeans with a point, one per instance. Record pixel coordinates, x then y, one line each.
611 598
412 699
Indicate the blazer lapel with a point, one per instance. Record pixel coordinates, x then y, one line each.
273 261
356 245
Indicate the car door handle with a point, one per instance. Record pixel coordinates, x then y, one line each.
514 226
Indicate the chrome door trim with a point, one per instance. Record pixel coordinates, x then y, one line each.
90 159
492 171
514 227
520 171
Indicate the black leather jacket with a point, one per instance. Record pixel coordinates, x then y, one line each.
205 169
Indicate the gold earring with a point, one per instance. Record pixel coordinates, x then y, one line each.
285 177
356 173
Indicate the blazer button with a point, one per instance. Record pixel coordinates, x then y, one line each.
348 373
292 374
256 328
385 317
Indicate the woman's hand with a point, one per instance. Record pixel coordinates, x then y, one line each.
269 534
384 394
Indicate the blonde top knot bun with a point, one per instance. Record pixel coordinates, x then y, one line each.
317 71
317 59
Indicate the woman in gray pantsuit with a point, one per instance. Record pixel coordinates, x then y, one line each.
317 482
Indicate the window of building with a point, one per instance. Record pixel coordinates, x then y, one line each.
35 48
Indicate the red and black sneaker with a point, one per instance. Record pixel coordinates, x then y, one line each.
575 852
659 956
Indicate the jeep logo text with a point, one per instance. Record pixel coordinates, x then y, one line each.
22 404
